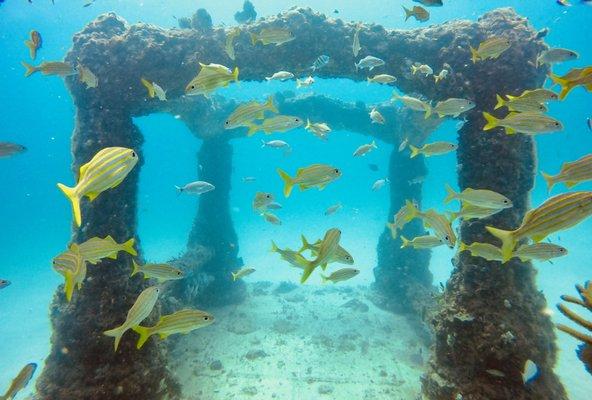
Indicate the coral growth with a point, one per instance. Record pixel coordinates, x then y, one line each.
585 349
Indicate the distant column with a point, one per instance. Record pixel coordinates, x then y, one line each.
402 276
491 316
213 227
82 363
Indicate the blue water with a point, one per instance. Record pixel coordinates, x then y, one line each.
38 113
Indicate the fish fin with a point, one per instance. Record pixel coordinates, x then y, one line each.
70 193
113 256
413 69
288 182
82 170
507 238
324 266
500 102
462 247
539 237
309 267
69 285
307 123
263 144
128 247
570 184
135 268
414 151
324 279
450 194
510 131
253 128
30 70
270 106
406 242
149 86
492 122
233 276
235 74
474 55
549 180
411 210
254 38
436 78
428 111
144 335
274 247
408 12
305 244
116 333
92 195
163 336
32 49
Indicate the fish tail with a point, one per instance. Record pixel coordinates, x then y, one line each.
474 55
298 83
254 38
462 247
507 238
144 335
69 285
305 244
129 247
70 193
412 210
550 180
405 242
565 85
414 151
270 106
274 247
253 128
373 144
391 227
30 70
414 69
233 276
436 78
408 13
369 80
500 102
428 111
235 74
32 49
288 182
324 278
149 86
307 124
136 267
492 121
450 194
116 333
179 189
263 144
308 268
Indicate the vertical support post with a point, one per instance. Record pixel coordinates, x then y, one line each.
82 363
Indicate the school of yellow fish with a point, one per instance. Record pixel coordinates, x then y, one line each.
109 167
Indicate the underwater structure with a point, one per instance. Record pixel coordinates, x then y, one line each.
489 316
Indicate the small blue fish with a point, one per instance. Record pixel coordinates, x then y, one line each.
530 372
4 283
320 62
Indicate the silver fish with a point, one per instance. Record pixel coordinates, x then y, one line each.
320 62
197 187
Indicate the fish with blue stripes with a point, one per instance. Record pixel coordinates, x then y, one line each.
106 170
320 62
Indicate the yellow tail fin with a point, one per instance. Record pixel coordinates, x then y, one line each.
144 335
129 247
307 124
135 267
253 128
414 69
408 13
270 106
500 102
30 70
549 180
116 333
149 86
307 271
450 194
254 38
492 122
565 85
428 111
462 247
474 55
288 182
274 247
235 74
305 244
233 276
507 238
414 151
69 285
406 242
412 210
70 193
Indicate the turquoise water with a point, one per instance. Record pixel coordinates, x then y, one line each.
38 113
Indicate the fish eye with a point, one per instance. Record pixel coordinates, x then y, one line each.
227 122
506 201
556 123
336 170
179 273
447 238
296 119
133 154
268 196
206 318
192 86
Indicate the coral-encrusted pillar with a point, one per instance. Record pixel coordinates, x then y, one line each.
402 276
82 363
492 314
213 228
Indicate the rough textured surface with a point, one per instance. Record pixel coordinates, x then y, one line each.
121 54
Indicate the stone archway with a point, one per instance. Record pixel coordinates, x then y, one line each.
471 314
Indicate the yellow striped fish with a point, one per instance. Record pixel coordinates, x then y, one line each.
537 95
241 273
210 78
149 87
529 123
421 242
294 258
483 250
50 68
161 272
106 170
341 255
230 36
139 312
440 225
490 48
471 211
95 249
519 104
432 149
247 112
277 36
183 321
402 217
20 381
559 212
539 251
72 267
479 197
341 275
326 252
571 173
315 175
279 123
